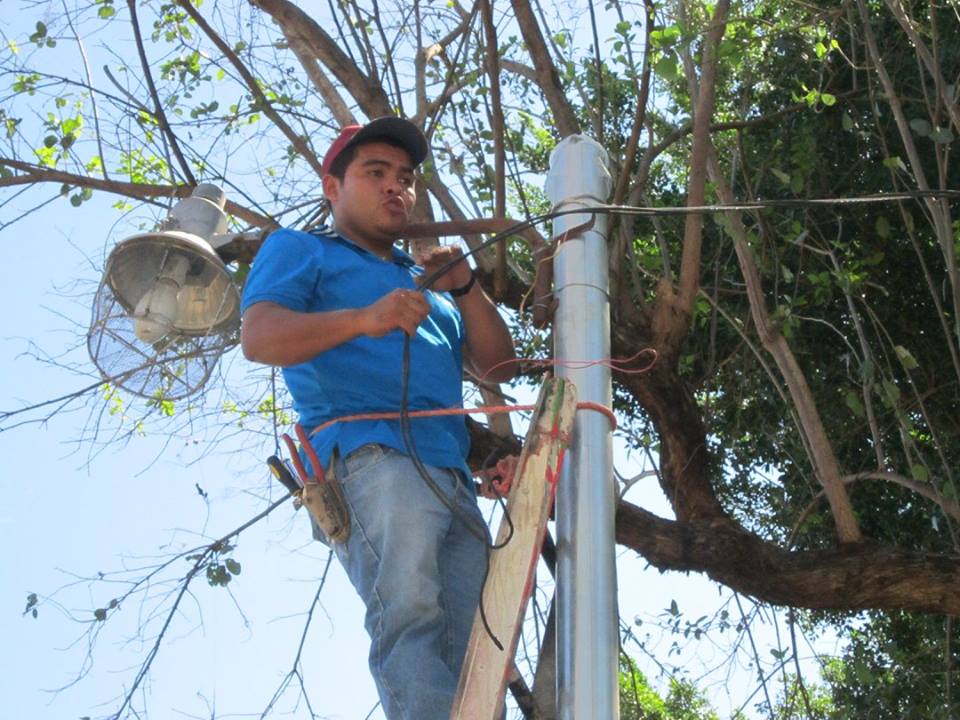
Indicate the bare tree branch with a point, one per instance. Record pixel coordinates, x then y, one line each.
298 142
816 579
948 102
821 450
295 23
35 173
673 309
547 77
495 114
157 111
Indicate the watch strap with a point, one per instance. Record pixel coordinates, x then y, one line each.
461 291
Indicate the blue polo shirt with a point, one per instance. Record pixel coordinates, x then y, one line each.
319 271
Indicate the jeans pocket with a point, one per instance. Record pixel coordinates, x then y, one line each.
363 458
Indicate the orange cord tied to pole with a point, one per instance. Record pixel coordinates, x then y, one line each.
618 364
442 412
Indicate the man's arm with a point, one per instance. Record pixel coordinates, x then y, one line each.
275 335
489 344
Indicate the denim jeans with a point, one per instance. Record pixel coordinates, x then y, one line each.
418 570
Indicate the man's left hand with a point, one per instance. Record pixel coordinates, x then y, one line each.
496 482
438 257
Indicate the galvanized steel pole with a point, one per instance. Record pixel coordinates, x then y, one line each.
587 618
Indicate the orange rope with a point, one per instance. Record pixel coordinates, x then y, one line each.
619 364
440 412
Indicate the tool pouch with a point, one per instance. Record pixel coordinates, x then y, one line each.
327 505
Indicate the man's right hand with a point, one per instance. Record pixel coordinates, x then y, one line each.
275 335
400 309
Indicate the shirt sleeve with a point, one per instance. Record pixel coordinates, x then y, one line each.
285 271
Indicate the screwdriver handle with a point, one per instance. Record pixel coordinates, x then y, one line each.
282 473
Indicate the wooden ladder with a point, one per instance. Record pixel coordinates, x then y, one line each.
486 668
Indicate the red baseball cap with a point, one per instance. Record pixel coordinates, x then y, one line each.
404 131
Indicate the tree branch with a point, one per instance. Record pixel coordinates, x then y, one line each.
548 79
35 173
157 112
674 309
495 115
295 23
949 507
338 107
852 577
819 448
929 62
299 143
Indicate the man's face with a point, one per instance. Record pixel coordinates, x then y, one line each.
373 202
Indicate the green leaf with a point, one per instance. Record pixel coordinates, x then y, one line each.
846 121
894 162
942 135
862 673
100 614
664 37
828 99
882 227
233 566
666 68
106 12
891 391
920 126
906 359
855 404
781 176
31 607
71 125
919 472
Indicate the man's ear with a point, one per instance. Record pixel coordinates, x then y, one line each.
331 187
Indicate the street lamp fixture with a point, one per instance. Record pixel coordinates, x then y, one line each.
167 306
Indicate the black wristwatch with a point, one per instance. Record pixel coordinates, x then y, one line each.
461 291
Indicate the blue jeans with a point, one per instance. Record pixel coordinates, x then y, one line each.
418 570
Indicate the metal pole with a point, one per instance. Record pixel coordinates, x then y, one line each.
587 618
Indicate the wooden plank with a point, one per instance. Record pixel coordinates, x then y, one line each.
486 668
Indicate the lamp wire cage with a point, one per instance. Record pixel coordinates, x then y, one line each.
176 365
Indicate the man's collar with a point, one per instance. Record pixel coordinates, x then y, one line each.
398 256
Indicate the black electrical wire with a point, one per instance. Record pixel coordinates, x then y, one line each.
639 211
475 528
598 209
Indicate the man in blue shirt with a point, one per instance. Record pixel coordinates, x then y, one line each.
331 308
